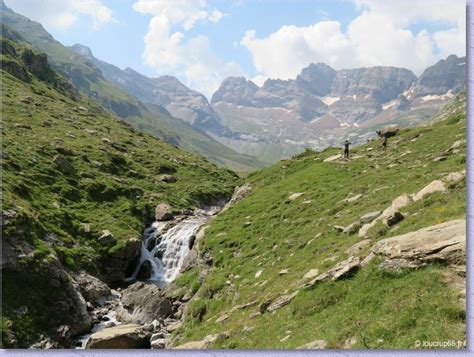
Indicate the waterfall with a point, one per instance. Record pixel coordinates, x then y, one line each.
165 247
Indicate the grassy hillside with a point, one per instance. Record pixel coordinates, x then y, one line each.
71 170
153 119
255 241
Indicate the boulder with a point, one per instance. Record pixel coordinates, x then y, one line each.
456 145
202 344
353 198
313 345
281 301
163 212
333 158
143 303
352 228
388 132
369 217
394 218
311 274
168 178
440 158
107 238
445 242
294 196
339 271
283 272
398 203
359 246
339 229
157 342
454 177
91 288
64 165
240 193
434 186
120 337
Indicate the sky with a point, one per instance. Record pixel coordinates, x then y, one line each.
204 41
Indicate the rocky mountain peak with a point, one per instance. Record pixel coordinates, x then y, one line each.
236 90
447 74
83 50
317 78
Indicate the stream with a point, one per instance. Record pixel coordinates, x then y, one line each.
165 246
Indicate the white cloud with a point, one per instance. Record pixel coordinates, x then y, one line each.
168 50
379 35
61 14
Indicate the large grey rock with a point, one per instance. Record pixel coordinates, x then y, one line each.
434 186
281 301
143 303
126 336
445 242
339 271
91 288
163 212
369 217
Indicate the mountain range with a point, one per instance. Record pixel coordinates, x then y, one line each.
317 109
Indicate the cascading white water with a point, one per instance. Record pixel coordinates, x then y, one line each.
170 249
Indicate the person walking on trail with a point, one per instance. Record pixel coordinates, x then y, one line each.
384 143
346 149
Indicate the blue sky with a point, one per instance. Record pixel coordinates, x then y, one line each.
201 42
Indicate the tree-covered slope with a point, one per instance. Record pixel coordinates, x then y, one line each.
72 171
291 224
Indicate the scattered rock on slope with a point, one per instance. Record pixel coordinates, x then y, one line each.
445 242
434 186
313 345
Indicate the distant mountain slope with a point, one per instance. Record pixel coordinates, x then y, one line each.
323 106
86 76
79 186
291 268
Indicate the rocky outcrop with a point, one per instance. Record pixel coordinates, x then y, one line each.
143 303
91 288
445 242
128 336
114 267
240 193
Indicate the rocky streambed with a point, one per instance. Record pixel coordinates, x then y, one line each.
142 315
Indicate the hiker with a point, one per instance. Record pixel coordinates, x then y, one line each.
346 149
384 143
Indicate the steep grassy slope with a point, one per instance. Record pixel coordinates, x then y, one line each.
71 170
154 120
267 233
